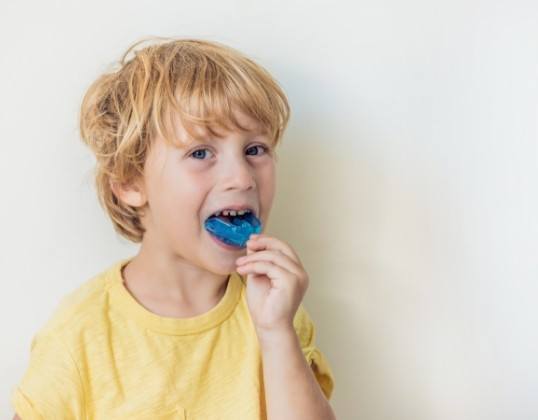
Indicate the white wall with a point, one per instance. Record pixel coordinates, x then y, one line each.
407 184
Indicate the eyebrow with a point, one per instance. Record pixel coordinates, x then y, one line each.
213 139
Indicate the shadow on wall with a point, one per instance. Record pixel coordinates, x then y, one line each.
366 242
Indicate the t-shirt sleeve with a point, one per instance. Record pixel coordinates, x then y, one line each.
317 360
51 387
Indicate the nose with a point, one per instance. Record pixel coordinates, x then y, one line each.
239 174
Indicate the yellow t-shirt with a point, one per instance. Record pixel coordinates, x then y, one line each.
102 355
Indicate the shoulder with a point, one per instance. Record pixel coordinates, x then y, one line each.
318 361
53 384
78 308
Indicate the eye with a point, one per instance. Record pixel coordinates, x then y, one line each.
264 148
199 154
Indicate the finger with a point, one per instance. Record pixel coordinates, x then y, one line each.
277 258
274 272
261 242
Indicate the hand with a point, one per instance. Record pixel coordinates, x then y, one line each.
276 283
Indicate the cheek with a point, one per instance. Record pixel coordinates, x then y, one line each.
178 199
270 186
267 186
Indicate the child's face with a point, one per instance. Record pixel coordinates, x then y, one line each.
184 186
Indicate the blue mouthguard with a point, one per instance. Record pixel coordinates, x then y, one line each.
237 231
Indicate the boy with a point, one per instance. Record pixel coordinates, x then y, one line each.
191 327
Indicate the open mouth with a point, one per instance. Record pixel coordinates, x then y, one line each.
233 228
229 215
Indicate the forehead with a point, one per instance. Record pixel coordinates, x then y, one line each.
194 133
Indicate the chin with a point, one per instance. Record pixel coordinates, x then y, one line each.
222 270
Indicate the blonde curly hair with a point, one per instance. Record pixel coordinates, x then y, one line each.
204 82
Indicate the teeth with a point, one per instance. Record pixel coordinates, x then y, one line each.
232 212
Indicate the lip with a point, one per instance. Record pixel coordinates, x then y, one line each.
225 245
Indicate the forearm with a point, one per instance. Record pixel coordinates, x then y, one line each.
291 389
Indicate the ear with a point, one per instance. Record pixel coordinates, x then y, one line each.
132 193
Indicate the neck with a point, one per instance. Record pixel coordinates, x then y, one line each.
170 285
